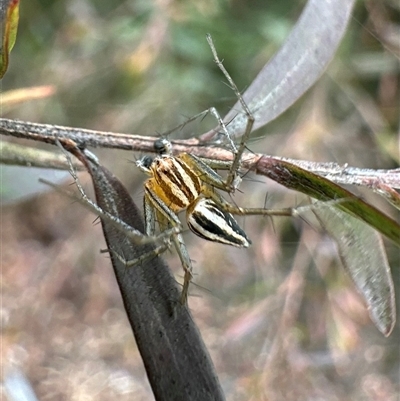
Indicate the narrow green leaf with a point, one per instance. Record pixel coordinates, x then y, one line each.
320 188
9 14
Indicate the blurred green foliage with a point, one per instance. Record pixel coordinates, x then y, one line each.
9 14
140 66
141 59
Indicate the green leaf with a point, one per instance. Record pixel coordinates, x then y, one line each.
301 60
363 256
9 14
320 188
360 246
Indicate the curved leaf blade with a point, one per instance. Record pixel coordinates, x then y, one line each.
170 344
9 14
360 246
364 258
298 64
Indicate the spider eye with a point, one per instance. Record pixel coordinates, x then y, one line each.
162 146
208 221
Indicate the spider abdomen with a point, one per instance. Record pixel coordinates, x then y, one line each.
208 221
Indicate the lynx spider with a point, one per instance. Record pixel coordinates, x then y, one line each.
187 182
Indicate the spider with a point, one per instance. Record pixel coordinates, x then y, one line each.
186 182
183 183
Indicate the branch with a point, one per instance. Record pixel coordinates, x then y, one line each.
84 137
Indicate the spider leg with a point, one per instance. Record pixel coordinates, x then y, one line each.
154 206
133 234
183 254
154 252
289 211
215 164
231 180
204 171
208 192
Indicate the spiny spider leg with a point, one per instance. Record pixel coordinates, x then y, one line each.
221 123
180 247
135 236
186 262
156 251
187 121
155 207
232 181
